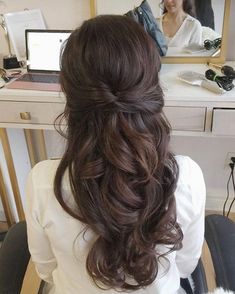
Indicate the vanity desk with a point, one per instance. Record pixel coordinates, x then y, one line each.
191 110
195 111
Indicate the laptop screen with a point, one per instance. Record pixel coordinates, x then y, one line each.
43 49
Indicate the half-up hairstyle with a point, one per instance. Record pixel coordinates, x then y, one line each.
188 7
121 173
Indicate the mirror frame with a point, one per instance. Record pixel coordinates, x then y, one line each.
223 50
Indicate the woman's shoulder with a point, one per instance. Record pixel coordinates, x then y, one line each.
160 16
190 192
189 171
186 162
43 172
193 20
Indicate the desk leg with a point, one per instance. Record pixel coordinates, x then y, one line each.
29 143
5 203
41 145
12 173
35 137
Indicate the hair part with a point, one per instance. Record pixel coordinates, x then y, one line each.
122 175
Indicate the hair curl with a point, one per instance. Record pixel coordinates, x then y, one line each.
121 173
188 7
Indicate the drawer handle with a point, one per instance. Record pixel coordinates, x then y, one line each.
25 115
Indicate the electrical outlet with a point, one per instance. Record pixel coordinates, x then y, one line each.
228 158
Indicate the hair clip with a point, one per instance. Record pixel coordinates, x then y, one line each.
222 81
225 69
209 44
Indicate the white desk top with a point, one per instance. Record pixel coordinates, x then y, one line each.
174 89
177 90
30 95
183 52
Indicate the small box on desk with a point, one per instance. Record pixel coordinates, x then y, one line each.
10 62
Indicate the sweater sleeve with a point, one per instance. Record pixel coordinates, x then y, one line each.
191 215
39 244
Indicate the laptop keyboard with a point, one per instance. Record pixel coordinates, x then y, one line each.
40 78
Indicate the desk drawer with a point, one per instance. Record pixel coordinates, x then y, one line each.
40 113
186 118
223 122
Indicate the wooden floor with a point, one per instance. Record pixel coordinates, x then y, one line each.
3 226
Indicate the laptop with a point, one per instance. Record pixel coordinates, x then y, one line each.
43 49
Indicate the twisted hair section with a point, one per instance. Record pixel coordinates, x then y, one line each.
121 173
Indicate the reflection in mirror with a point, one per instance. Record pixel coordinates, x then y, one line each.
189 26
195 32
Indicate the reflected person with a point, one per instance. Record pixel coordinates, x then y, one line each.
179 25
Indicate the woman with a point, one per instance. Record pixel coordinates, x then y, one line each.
179 25
118 211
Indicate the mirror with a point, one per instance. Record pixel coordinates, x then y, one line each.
191 54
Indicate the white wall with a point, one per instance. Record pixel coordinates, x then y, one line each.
123 6
218 8
211 155
58 14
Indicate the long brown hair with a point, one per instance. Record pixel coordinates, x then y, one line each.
121 173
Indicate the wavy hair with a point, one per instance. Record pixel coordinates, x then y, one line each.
121 173
188 7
